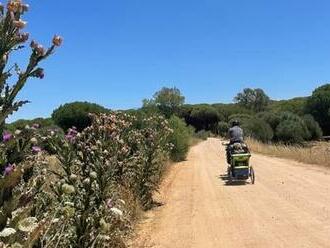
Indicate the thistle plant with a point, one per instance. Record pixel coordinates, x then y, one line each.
117 153
13 39
19 172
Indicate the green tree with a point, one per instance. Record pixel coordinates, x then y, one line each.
295 105
167 100
313 127
271 118
204 117
254 99
76 114
318 105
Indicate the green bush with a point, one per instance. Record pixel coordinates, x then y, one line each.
242 118
222 128
76 114
271 118
180 138
295 105
21 124
313 127
290 132
258 129
202 134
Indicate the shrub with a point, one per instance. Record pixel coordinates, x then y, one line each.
291 129
290 132
222 128
258 129
117 153
295 105
21 124
202 134
180 138
313 127
271 118
76 115
242 118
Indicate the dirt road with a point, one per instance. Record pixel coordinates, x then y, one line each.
289 205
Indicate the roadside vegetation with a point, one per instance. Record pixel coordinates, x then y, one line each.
79 178
315 153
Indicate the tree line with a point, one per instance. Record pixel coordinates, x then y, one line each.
287 121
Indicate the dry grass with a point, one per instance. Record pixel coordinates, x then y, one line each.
315 153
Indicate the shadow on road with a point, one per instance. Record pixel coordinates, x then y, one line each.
227 182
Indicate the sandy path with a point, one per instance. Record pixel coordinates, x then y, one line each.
289 206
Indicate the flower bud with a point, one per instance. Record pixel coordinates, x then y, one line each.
104 225
57 40
68 189
39 73
25 7
34 44
87 182
93 175
4 58
73 177
12 6
19 24
40 50
23 37
33 140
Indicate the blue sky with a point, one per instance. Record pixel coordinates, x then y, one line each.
117 52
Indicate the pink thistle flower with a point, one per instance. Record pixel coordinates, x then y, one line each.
36 149
7 136
9 169
36 125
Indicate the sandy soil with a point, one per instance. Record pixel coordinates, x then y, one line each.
288 206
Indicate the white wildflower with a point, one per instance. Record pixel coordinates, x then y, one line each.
116 211
7 232
16 245
28 224
34 141
68 189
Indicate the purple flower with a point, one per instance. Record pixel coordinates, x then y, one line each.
9 169
7 136
71 135
36 149
36 126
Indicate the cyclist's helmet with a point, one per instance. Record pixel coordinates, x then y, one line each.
235 123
